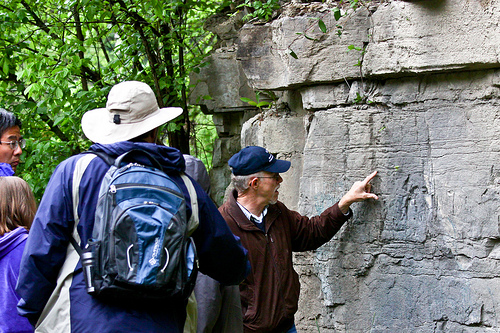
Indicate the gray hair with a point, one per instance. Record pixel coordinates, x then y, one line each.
241 183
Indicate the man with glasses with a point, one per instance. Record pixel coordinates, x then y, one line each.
271 232
11 143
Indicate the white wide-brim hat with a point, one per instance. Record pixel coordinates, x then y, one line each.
131 110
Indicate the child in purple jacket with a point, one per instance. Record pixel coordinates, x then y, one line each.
17 210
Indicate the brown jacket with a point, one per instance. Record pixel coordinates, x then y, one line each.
270 293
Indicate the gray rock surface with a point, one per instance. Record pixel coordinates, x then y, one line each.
424 110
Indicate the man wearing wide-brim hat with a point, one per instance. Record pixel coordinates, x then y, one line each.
51 284
271 232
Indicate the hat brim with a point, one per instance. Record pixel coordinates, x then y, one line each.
279 166
98 128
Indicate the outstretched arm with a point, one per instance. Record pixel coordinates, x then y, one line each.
359 191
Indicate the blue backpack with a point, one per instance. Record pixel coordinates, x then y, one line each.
141 247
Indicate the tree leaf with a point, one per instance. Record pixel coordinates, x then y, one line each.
5 66
59 93
336 13
322 26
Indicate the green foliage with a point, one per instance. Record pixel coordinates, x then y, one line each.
361 51
257 103
322 26
340 11
204 134
359 99
263 10
337 14
344 9
58 59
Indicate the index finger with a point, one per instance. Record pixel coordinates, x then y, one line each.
370 177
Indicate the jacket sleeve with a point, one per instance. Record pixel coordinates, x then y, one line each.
221 255
46 246
310 233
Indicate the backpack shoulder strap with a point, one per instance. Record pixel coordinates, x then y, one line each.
105 157
194 221
80 167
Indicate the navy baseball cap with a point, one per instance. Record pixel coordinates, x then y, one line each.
253 159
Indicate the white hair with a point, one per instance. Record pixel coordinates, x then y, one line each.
242 183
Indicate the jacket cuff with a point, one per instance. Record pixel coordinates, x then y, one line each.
340 213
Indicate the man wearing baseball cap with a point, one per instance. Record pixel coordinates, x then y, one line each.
51 284
271 232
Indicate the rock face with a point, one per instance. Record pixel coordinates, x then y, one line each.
422 108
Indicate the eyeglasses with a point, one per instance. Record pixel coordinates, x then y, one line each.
15 143
276 177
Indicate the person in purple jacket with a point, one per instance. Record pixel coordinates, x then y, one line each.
17 209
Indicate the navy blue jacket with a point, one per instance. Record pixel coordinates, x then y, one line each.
220 253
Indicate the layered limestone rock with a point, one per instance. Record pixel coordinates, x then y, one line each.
423 109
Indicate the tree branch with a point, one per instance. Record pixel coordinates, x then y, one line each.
95 77
81 55
50 123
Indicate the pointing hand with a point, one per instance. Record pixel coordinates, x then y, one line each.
359 191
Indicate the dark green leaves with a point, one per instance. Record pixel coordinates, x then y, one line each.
336 13
257 103
322 26
59 60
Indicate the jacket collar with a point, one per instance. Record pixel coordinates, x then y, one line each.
170 158
243 222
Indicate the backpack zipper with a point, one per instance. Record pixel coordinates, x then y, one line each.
114 188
